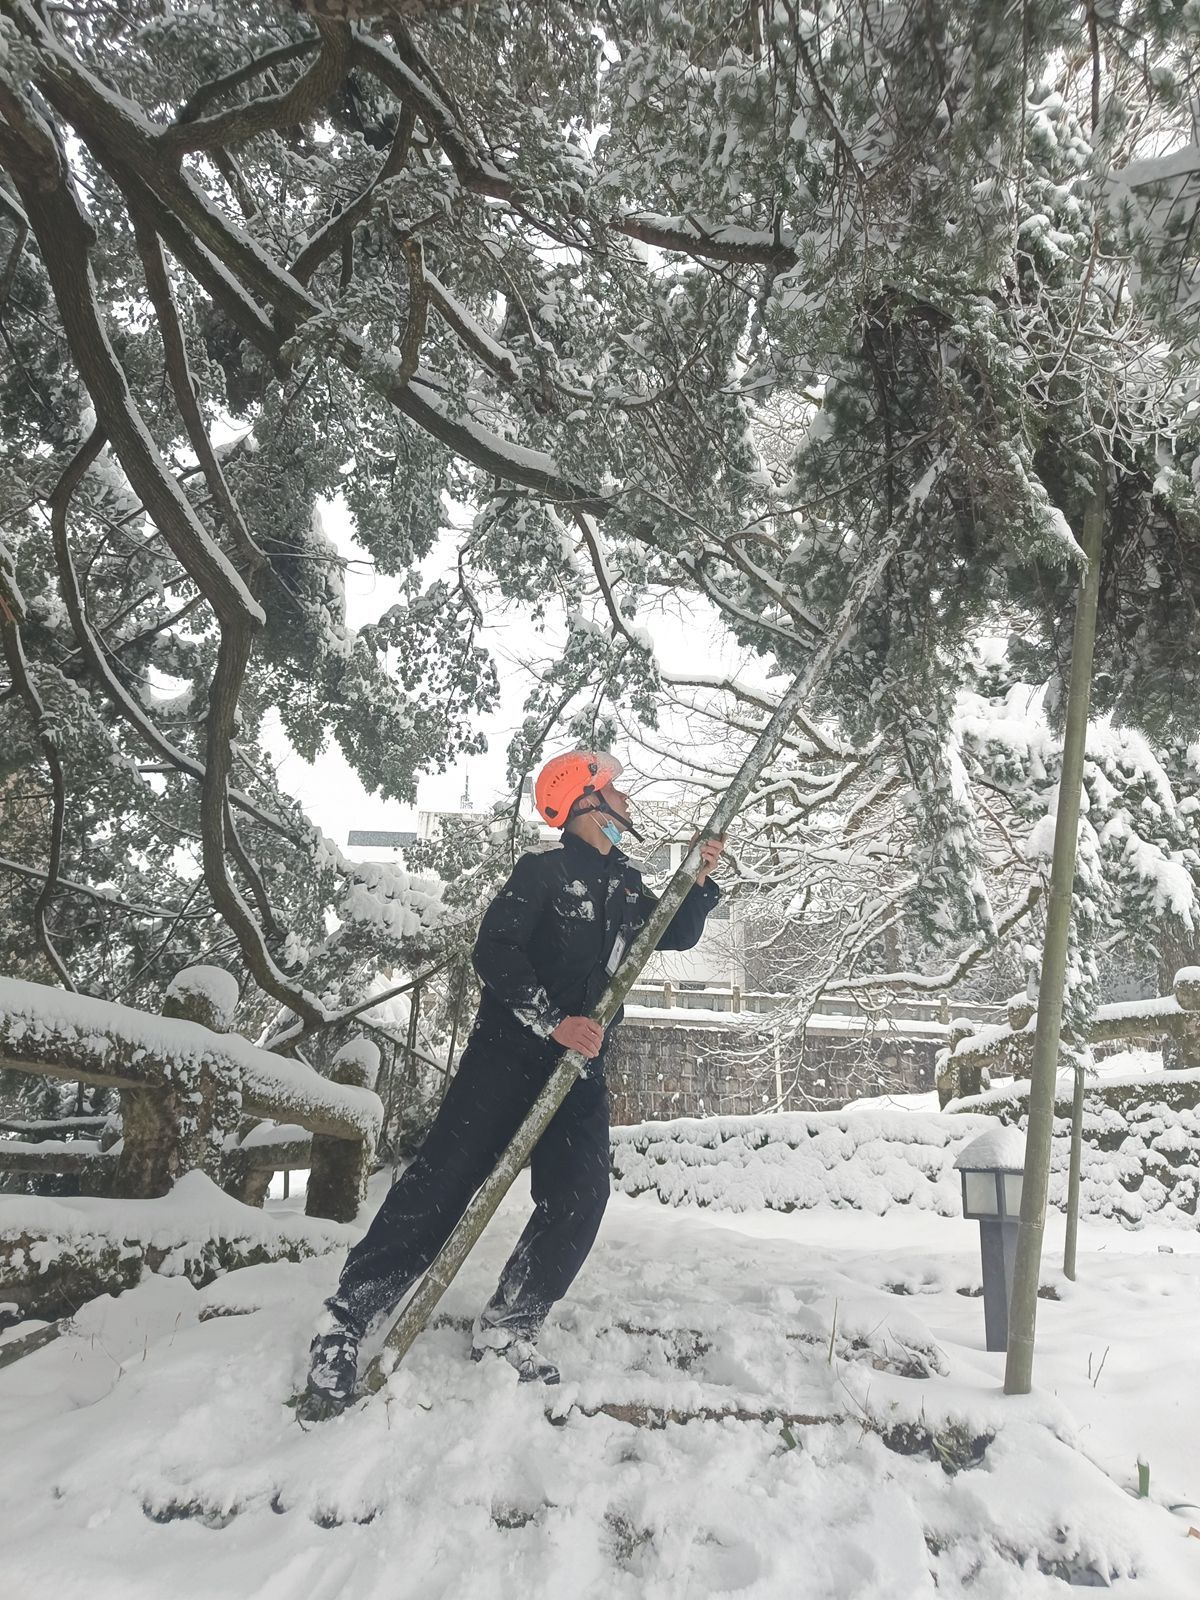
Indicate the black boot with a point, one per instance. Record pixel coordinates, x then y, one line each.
517 1347
332 1368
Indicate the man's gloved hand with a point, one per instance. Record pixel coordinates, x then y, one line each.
580 1033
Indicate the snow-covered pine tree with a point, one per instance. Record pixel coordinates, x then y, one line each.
557 265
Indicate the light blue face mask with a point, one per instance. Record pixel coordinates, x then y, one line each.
611 832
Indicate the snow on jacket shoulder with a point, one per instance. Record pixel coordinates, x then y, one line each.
564 918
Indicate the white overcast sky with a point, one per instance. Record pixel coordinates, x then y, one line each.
330 790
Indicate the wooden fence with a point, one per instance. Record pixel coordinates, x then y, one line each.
192 1096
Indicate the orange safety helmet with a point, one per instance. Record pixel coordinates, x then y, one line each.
567 778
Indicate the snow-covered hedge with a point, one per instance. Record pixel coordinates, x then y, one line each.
1141 1155
57 1253
870 1160
1141 1142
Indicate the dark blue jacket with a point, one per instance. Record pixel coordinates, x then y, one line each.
561 923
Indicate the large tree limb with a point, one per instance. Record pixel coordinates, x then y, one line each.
690 236
492 355
332 234
270 112
11 614
233 655
119 143
200 99
64 240
183 387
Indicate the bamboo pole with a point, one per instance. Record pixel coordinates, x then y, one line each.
479 1212
1018 1375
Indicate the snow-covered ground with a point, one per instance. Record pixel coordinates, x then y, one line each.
150 1453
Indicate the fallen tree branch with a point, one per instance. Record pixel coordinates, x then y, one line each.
13 1349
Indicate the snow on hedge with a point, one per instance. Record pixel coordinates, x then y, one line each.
1141 1138
869 1160
56 1249
1141 1153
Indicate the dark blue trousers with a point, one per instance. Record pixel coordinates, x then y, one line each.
487 1100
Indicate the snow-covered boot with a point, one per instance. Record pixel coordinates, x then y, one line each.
521 1353
332 1368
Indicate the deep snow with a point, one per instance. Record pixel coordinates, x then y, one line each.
150 1453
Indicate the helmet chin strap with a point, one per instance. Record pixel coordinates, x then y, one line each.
603 805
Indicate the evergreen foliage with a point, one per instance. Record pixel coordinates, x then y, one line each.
674 300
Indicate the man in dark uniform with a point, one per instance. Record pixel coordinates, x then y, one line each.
547 945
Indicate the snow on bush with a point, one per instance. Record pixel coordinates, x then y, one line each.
213 984
1141 1140
867 1160
54 1253
1141 1154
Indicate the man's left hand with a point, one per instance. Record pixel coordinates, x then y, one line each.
711 852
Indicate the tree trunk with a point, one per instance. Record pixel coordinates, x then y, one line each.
1177 949
1018 1376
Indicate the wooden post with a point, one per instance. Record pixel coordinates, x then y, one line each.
337 1179
182 1125
1184 1049
1018 1373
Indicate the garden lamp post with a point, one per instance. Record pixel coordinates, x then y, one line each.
993 1175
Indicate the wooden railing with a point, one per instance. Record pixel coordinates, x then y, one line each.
971 1056
916 1008
190 1093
